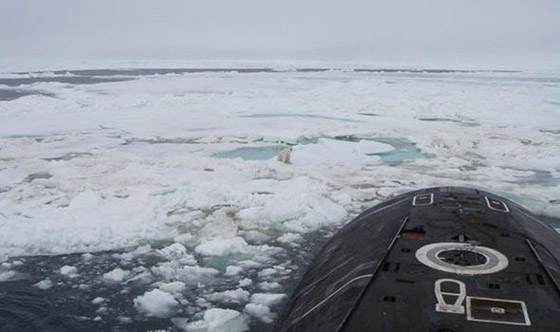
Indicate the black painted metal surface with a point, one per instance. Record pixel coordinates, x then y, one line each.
368 276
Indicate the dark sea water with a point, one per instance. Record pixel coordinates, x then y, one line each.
67 305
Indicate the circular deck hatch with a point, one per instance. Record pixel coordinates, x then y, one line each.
461 258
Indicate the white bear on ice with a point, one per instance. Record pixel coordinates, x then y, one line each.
284 155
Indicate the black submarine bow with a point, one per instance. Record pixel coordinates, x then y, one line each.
444 259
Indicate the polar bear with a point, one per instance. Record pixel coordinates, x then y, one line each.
284 155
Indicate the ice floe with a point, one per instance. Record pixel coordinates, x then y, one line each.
157 303
70 271
219 320
116 275
44 284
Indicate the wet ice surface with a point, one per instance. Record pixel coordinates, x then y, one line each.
168 178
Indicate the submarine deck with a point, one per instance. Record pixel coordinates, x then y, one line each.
443 259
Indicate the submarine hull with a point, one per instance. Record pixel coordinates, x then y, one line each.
445 259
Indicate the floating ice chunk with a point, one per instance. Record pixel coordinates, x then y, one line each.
44 284
219 320
220 247
142 250
249 264
144 277
87 256
255 237
116 275
246 282
5 276
260 311
267 273
175 287
233 270
290 238
97 300
68 270
177 252
267 299
202 302
186 238
190 275
173 251
230 296
219 225
101 310
269 286
157 303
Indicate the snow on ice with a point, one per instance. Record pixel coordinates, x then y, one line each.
157 303
219 320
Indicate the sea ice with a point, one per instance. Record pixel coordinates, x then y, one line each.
44 284
245 282
8 275
230 296
219 320
177 252
137 252
98 300
260 311
116 275
269 286
128 166
70 271
175 287
233 270
220 247
157 303
267 299
190 275
289 238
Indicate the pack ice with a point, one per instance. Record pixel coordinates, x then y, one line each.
182 167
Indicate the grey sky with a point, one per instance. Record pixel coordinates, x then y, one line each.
413 31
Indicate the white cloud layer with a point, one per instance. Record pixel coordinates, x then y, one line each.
524 33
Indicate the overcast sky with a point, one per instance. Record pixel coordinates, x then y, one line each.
389 31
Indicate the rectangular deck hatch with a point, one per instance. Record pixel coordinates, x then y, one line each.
496 205
423 200
480 309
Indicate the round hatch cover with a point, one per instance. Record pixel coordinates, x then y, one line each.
461 258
